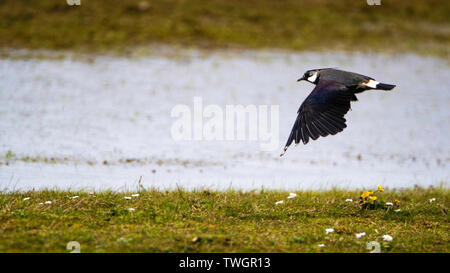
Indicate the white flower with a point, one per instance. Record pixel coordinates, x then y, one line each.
279 202
292 195
75 197
127 197
348 200
397 210
432 200
48 202
40 204
91 192
387 238
130 209
359 235
329 230
320 245
135 195
26 198
389 204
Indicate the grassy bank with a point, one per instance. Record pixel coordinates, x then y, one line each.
102 25
205 221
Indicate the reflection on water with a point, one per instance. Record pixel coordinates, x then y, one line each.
104 123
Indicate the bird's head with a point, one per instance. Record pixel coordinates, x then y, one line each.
311 76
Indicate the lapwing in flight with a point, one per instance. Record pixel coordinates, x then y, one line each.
322 112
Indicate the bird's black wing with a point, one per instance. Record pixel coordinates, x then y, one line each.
322 112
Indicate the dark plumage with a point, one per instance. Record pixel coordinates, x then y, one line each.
322 112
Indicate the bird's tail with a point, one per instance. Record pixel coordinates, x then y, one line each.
384 86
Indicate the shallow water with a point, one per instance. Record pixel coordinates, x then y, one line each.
105 123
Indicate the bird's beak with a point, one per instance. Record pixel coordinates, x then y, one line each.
301 79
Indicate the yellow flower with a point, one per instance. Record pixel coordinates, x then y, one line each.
373 198
366 194
380 188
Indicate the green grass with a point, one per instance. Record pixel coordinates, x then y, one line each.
115 25
206 221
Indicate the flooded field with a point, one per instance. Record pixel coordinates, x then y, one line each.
105 123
